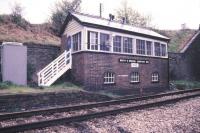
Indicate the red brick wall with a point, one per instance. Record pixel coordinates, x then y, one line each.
38 56
88 68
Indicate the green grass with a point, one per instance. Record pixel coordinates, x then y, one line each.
109 94
64 86
182 84
8 87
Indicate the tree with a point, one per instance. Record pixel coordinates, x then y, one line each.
17 13
61 11
132 16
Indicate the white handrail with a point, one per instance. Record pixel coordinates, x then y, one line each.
49 74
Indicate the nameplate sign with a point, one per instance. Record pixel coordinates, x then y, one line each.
136 65
122 75
133 61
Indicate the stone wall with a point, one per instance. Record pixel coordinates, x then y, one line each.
21 102
89 68
38 56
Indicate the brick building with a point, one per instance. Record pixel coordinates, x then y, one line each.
113 55
185 65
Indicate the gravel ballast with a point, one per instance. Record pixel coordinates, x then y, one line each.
86 111
182 117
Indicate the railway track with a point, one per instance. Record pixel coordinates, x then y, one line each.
69 114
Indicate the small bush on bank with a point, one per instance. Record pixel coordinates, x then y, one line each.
3 86
1 19
6 85
65 85
182 84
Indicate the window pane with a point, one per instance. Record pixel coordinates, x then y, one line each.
104 42
117 44
149 47
75 41
94 40
163 50
157 49
135 77
140 46
109 78
79 40
127 45
155 77
68 43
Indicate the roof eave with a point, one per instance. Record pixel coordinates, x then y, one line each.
71 16
123 31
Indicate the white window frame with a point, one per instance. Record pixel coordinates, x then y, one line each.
109 78
135 77
133 37
93 41
155 77
139 48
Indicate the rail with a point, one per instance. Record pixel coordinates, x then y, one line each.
98 114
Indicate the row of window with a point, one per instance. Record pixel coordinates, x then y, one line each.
101 41
124 44
109 77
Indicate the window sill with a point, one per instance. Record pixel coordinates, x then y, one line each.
135 82
108 83
154 81
121 53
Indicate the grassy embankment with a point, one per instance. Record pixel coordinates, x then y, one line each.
8 87
183 85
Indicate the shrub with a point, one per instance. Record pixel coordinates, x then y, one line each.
181 84
1 19
5 85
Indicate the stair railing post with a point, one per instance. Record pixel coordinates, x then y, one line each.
57 67
65 57
52 71
39 84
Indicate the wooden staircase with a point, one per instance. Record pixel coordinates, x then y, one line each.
48 75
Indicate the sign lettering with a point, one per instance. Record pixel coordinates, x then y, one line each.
134 61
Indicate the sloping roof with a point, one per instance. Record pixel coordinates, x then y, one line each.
89 20
189 42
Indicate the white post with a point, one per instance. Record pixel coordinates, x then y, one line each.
153 49
39 80
111 42
134 46
122 44
166 50
70 58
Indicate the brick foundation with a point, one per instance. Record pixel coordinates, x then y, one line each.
88 69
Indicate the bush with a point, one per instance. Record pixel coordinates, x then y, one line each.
1 19
60 12
5 85
182 85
